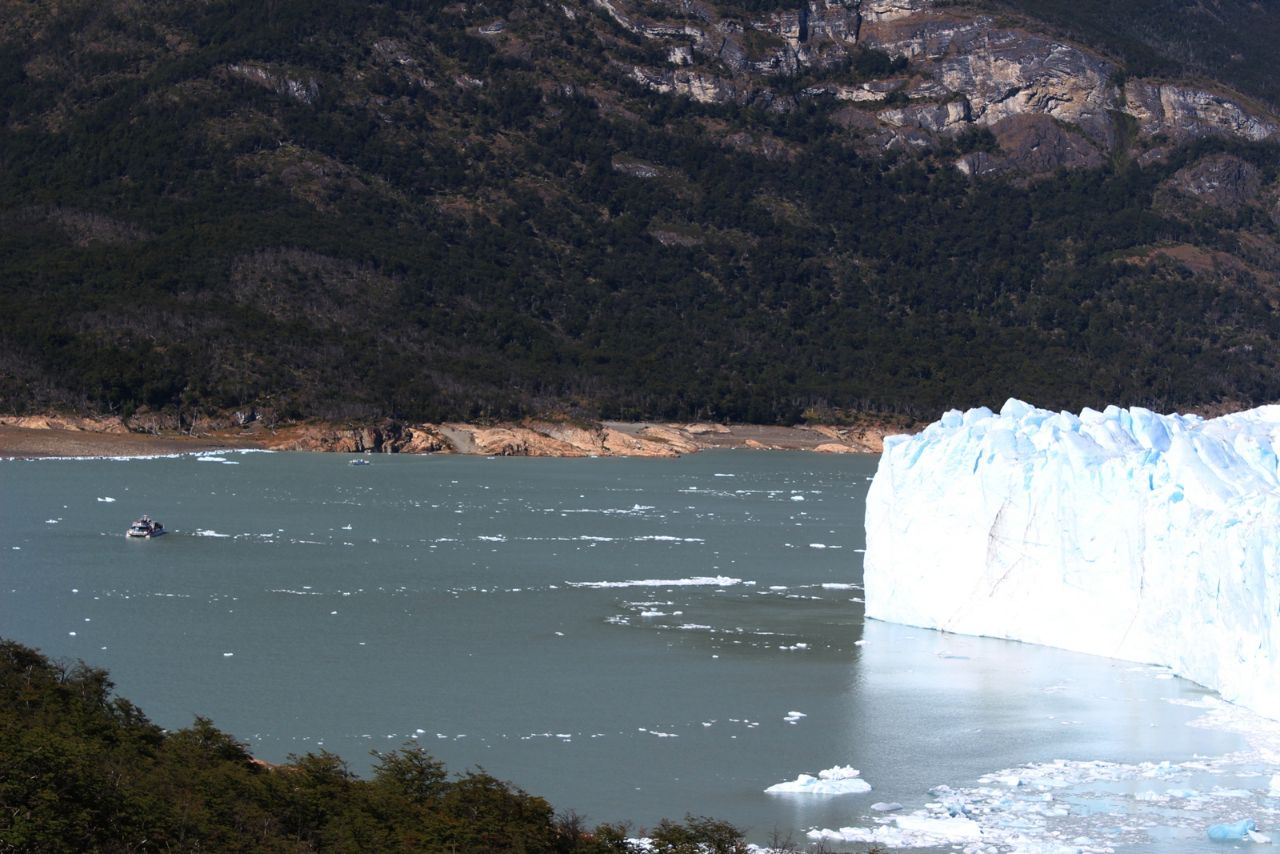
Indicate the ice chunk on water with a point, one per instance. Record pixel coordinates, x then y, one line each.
840 780
1121 533
697 581
1233 831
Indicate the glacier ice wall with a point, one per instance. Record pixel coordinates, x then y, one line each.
1124 533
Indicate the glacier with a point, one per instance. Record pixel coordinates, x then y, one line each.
1122 533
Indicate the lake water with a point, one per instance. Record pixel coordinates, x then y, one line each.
631 639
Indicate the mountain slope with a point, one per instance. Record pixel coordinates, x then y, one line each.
637 210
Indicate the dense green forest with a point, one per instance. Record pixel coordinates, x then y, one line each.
84 770
365 210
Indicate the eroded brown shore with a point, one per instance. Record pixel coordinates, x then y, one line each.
55 436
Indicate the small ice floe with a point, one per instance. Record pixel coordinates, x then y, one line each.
1237 831
831 585
794 717
797 498
1275 787
51 521
840 780
697 581
204 532
227 654
666 538
106 499
881 806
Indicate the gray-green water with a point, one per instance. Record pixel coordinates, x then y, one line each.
628 638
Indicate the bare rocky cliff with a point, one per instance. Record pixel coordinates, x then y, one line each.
1048 103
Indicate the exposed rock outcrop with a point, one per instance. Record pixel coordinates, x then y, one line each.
1220 181
1183 111
304 90
532 438
1050 103
568 439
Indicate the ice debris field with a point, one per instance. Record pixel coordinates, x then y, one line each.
1095 807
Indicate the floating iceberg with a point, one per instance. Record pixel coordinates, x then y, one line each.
840 780
1123 533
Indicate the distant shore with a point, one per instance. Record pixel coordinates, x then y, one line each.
32 437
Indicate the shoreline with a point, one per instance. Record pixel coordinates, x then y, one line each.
37 437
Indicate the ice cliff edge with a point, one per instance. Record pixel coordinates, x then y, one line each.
1124 533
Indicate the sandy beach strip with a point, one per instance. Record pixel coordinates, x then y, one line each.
28 443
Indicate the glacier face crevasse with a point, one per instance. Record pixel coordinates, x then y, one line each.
1123 533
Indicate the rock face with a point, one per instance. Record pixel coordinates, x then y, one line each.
1219 180
534 439
565 439
1120 533
1048 102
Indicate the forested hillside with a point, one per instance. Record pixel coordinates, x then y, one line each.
745 210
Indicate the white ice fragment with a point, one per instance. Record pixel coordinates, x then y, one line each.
840 780
227 654
107 499
698 581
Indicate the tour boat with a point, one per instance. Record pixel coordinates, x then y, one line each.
146 527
